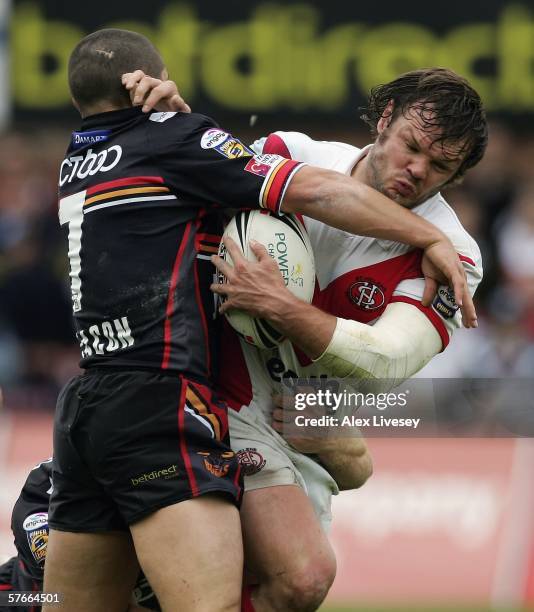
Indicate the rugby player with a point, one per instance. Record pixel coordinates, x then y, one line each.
29 524
422 145
143 465
419 150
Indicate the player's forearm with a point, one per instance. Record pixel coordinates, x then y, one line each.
348 462
401 342
342 202
308 327
396 347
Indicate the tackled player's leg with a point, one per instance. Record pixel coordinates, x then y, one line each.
286 549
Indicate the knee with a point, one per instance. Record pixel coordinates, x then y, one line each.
305 587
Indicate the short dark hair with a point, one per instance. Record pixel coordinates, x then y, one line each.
101 58
443 100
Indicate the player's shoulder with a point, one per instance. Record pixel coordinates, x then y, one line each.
439 212
38 485
173 124
301 147
189 120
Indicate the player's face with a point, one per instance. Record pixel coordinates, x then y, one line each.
406 164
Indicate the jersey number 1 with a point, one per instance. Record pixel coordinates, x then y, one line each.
71 212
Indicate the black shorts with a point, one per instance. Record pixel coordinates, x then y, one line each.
127 443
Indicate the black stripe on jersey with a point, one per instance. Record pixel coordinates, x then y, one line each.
209 243
274 333
198 396
242 226
267 341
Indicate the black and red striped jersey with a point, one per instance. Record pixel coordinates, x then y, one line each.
140 196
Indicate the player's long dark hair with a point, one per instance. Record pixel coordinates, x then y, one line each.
442 100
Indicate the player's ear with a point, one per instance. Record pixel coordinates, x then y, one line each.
164 74
385 119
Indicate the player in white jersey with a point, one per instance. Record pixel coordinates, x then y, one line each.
367 320
420 147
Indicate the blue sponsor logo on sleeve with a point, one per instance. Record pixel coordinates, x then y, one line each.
82 139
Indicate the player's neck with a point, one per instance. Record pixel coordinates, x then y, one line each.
359 172
101 107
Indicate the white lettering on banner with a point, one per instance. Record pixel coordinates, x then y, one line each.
418 504
91 163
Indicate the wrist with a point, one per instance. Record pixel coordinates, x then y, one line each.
304 325
282 308
432 238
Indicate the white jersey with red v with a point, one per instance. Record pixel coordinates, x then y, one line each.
357 277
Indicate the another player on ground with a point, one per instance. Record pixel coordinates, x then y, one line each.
29 524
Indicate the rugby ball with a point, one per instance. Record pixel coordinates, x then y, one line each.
287 242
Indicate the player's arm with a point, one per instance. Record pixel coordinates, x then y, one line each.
347 459
342 202
396 347
401 342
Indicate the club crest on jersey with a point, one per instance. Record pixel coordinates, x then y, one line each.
218 465
224 143
36 528
444 302
366 294
251 461
38 541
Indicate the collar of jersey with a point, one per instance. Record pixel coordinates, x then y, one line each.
111 118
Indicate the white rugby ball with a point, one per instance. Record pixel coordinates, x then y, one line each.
287 242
